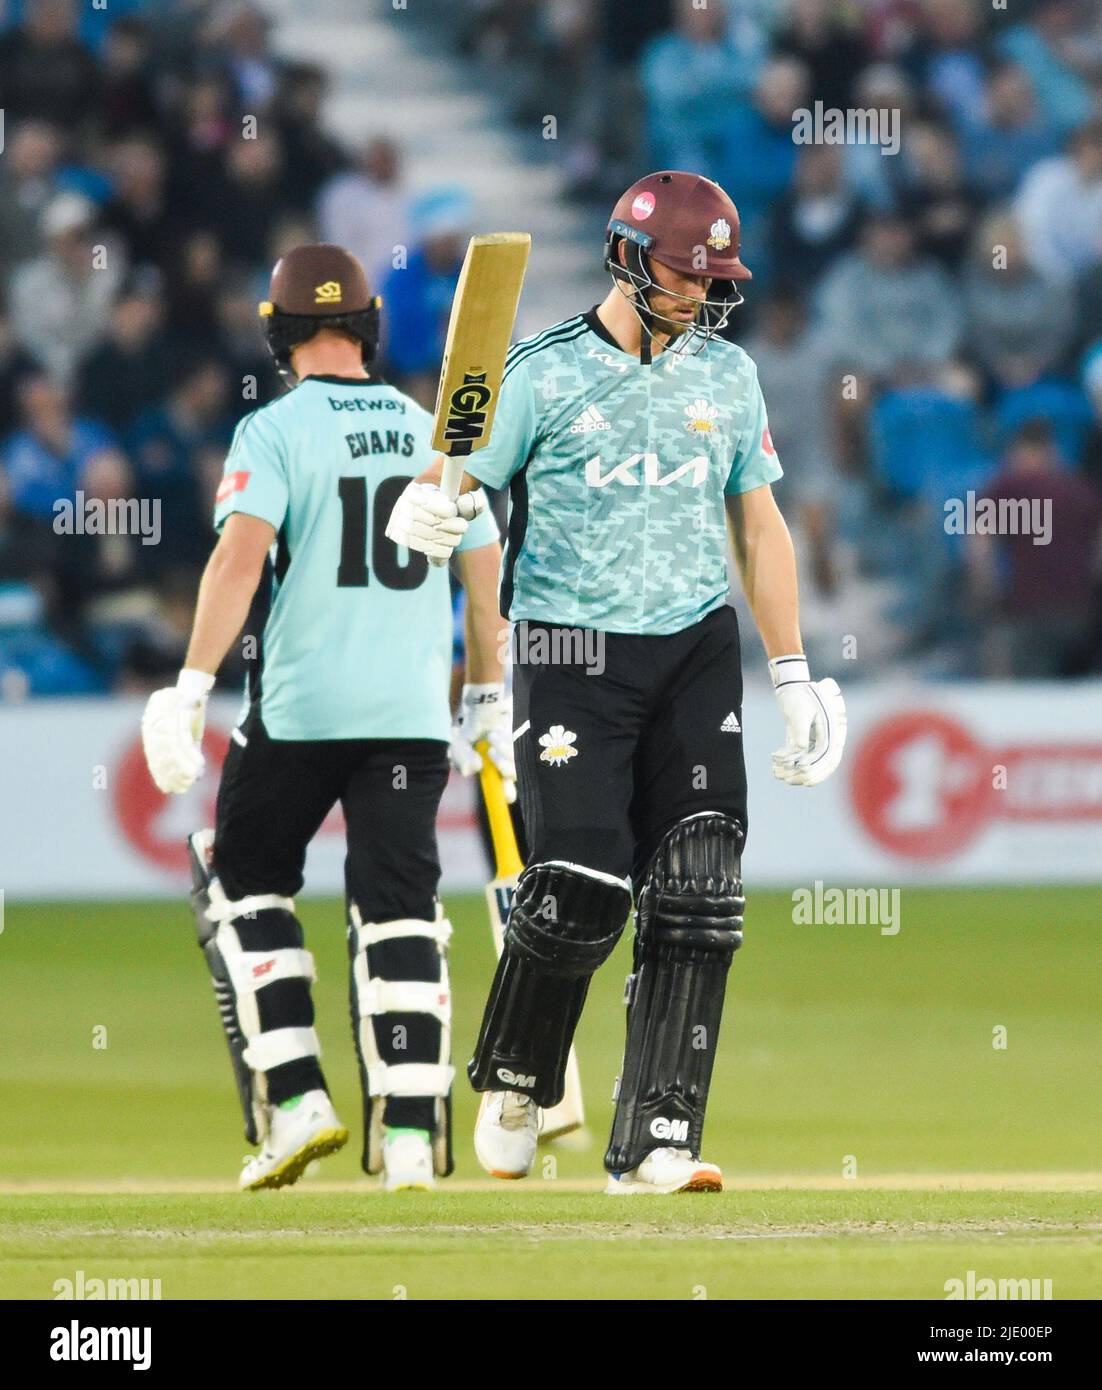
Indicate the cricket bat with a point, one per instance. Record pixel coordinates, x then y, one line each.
569 1115
479 331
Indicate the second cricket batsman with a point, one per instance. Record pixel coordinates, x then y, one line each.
348 703
631 438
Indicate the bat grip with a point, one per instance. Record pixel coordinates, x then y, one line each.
451 477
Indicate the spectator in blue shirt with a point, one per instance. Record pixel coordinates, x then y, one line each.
874 176
168 443
1006 134
417 297
946 57
692 75
1047 46
758 154
47 459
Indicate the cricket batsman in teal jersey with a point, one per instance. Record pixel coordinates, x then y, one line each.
348 702
633 440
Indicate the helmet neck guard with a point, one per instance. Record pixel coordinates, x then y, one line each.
284 332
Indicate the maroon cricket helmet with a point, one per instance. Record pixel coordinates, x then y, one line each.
688 223
684 221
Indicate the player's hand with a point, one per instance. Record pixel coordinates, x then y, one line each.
815 719
424 519
172 731
469 505
485 713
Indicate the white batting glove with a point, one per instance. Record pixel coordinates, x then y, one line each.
469 504
172 731
485 712
815 719
424 519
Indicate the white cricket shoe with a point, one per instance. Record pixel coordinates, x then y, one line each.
506 1134
665 1171
297 1134
407 1161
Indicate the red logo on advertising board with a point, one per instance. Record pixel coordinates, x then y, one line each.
156 825
924 787
149 819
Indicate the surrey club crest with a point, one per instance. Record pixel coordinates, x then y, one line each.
702 417
719 234
557 745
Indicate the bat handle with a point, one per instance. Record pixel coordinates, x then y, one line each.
452 476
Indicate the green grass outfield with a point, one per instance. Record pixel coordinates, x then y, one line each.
843 1049
536 1243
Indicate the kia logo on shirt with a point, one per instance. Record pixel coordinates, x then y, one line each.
626 472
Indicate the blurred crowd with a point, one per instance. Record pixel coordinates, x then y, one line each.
158 159
927 323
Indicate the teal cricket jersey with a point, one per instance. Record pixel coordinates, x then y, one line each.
359 638
617 475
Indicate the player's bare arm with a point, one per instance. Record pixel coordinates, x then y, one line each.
227 589
484 628
172 726
766 563
814 711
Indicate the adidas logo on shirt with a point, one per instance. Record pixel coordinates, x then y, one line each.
589 420
730 725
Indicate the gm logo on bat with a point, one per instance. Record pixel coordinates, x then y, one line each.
467 407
